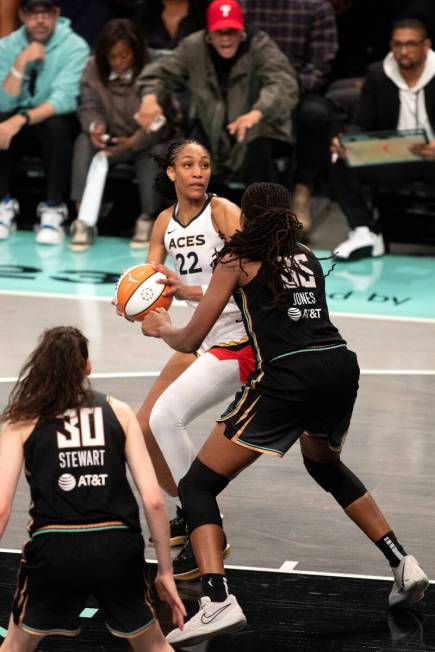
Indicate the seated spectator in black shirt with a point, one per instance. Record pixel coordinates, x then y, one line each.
243 92
305 30
88 17
166 22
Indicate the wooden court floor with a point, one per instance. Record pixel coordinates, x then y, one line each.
276 518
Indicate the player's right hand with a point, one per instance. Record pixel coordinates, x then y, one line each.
167 591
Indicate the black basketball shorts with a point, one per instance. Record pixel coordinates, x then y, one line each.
312 391
58 572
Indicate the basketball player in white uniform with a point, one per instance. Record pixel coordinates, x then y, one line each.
190 231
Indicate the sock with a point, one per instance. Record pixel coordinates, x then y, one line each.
215 586
391 548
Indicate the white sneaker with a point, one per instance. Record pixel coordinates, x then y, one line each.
142 233
82 236
410 583
9 210
50 230
361 243
212 618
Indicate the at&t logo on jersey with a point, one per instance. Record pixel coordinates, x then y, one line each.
68 482
308 313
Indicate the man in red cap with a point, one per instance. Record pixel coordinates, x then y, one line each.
242 87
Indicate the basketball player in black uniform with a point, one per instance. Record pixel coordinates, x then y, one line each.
85 534
304 388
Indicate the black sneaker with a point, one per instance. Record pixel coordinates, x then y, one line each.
184 564
178 529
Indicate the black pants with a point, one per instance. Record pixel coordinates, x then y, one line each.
314 127
53 139
350 185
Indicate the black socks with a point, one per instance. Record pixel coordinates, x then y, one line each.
215 586
391 548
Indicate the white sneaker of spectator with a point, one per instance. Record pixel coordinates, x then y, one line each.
50 229
9 210
361 243
82 236
142 232
212 618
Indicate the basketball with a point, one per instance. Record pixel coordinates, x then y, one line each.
137 291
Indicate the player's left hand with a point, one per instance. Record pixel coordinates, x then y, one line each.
167 591
153 322
240 125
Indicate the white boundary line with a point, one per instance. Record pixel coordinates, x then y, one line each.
154 374
357 315
283 571
178 304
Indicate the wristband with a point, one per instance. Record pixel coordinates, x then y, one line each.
26 115
16 73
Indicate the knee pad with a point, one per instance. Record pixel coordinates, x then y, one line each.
337 479
197 491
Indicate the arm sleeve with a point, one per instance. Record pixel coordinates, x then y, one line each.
279 87
65 88
322 47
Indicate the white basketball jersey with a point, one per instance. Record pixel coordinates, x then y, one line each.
191 248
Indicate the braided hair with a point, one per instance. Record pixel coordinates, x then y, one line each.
269 236
53 379
162 183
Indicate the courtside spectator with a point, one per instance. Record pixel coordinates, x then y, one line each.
243 92
88 17
40 68
305 30
166 22
108 104
398 93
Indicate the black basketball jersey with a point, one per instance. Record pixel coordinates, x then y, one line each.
76 468
303 324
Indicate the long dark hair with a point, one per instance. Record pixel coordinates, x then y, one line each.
53 379
162 183
120 29
269 235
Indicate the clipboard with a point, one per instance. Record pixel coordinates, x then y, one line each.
382 147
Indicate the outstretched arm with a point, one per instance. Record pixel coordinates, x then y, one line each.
158 324
142 470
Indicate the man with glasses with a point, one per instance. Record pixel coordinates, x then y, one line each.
40 68
398 94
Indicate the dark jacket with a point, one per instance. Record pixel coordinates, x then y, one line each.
261 78
379 104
